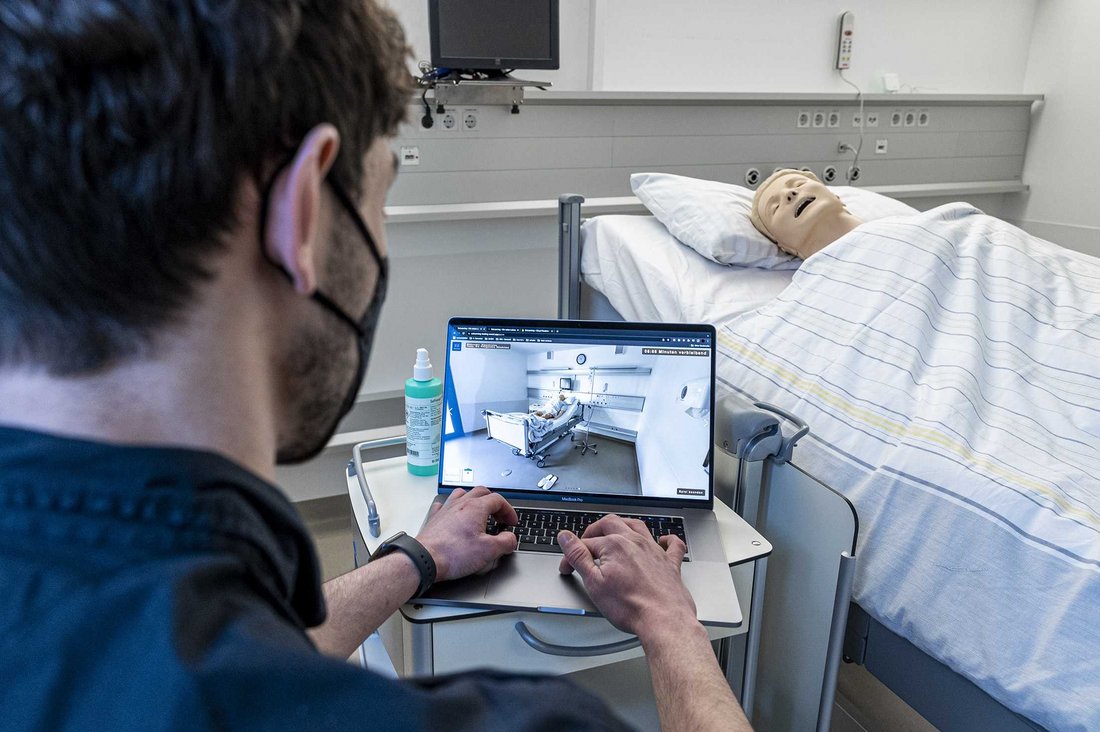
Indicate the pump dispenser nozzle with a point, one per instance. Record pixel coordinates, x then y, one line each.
422 369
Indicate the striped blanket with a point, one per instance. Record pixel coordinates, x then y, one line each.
949 366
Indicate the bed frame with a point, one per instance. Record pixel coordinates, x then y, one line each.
943 697
500 427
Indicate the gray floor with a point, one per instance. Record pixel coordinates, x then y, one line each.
613 468
863 703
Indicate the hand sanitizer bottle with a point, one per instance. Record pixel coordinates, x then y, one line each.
423 417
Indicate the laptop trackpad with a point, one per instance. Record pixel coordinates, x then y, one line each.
532 581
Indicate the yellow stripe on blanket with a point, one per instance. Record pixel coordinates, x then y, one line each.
899 430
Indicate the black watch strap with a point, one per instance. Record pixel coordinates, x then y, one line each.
421 557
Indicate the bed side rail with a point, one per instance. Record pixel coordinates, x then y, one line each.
569 255
813 530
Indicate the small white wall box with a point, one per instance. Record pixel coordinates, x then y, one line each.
695 397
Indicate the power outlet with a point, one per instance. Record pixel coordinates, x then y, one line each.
803 118
881 146
819 118
833 119
829 174
469 119
910 118
410 156
752 177
871 119
448 121
923 118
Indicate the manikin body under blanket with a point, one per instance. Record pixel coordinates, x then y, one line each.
964 350
553 408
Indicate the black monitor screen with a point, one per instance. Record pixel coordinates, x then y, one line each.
494 34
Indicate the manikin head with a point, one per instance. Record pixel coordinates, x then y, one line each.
799 213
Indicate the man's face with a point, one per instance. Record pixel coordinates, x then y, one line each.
321 361
793 207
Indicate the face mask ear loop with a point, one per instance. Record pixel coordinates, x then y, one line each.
324 300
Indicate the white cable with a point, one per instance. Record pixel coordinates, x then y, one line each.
862 120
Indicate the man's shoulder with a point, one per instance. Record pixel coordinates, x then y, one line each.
193 642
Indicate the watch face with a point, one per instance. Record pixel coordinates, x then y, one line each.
581 358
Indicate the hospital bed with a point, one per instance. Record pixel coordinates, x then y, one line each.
529 435
977 498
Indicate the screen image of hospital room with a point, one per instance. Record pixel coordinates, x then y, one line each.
577 418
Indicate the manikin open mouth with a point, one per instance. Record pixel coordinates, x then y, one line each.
802 206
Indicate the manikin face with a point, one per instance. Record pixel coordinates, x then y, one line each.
799 212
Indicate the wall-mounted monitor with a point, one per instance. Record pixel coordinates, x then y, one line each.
565 383
494 35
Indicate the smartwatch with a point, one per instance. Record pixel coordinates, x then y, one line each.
415 550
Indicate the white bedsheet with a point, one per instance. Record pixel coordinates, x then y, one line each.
949 367
648 275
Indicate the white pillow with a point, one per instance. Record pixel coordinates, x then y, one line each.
713 218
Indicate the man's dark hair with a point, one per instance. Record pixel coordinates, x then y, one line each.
126 130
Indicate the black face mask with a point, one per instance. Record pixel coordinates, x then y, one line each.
363 328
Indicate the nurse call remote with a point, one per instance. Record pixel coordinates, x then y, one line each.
844 40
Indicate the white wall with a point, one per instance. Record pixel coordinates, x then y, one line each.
1063 150
738 45
756 46
667 435
487 379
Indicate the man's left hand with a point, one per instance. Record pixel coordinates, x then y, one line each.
455 532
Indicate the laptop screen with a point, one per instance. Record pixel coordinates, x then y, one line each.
579 411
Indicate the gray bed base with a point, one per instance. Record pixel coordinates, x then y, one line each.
946 699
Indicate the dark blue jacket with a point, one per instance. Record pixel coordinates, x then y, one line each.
165 588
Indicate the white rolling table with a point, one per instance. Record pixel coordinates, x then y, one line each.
438 640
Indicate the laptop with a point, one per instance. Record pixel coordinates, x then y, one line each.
571 420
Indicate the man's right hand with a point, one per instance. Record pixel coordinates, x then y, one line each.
634 581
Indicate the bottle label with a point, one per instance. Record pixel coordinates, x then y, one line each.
423 420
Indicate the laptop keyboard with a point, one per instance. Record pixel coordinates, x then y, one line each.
538 529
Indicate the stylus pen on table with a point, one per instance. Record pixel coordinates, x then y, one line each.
374 519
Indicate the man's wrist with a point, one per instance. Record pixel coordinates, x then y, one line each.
669 632
442 568
419 556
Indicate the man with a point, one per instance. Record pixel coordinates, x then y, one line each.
799 213
191 268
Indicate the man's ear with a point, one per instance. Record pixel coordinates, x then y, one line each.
294 208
